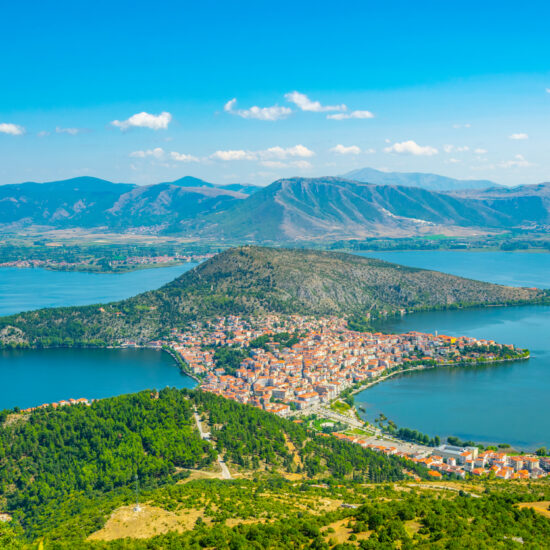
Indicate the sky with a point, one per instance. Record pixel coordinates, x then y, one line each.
254 91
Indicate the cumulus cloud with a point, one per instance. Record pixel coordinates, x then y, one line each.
145 120
518 136
260 113
455 149
157 153
518 161
233 154
352 114
182 157
480 151
467 125
343 150
11 129
410 147
273 153
303 102
288 152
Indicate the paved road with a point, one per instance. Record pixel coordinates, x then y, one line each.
226 474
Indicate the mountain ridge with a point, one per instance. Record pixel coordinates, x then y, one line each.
424 180
297 209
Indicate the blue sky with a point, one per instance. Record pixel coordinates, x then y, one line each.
142 92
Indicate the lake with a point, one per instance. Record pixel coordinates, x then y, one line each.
503 268
24 289
32 377
507 403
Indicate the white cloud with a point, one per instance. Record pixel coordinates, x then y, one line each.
518 136
283 153
157 153
370 151
453 161
70 131
518 162
145 120
455 149
305 104
480 151
467 125
233 155
11 129
343 150
410 147
260 113
271 154
548 90
182 157
352 114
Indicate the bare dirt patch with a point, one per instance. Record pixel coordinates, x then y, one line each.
146 523
342 533
201 474
542 507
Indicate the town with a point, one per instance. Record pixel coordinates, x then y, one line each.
295 365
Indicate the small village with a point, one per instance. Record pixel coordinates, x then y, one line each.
297 365
129 262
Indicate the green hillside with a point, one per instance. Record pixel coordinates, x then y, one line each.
255 280
67 481
58 464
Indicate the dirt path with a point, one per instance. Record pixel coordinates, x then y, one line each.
226 474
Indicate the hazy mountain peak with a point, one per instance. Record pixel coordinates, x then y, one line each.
432 182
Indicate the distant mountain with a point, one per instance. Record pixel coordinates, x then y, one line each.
335 208
432 182
259 280
92 202
288 210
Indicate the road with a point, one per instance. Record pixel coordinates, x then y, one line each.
226 474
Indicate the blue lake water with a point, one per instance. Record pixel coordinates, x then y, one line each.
503 268
32 377
507 403
24 289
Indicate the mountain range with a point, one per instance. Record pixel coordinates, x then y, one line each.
431 182
288 210
93 202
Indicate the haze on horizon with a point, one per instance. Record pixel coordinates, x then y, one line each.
127 93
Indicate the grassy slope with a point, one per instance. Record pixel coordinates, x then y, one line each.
252 280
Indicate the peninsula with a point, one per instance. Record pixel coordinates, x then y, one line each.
257 281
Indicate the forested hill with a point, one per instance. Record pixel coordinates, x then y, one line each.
67 481
64 470
255 280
